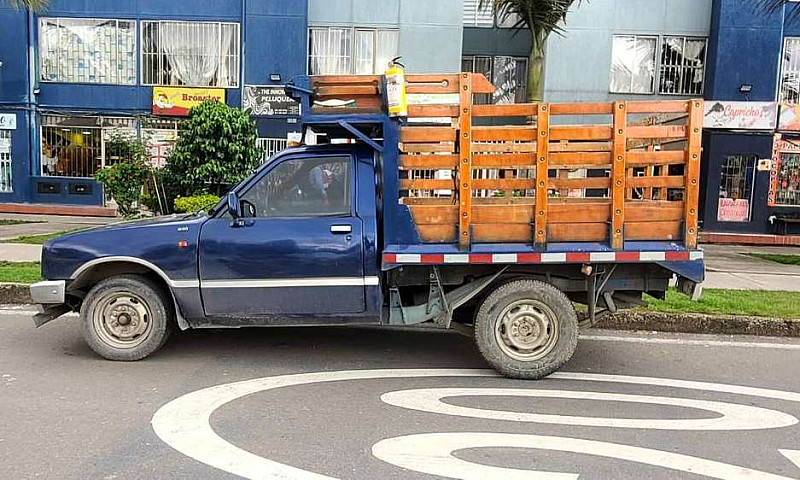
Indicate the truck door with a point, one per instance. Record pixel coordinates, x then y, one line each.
299 251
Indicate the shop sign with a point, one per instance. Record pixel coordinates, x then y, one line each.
790 118
177 101
741 115
268 101
8 121
733 210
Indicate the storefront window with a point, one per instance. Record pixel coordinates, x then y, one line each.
736 188
5 161
159 136
87 50
75 146
787 190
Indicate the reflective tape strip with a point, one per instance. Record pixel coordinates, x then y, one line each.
602 257
554 258
652 256
539 258
294 282
696 256
408 258
456 258
504 258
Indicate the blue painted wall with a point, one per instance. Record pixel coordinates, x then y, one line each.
274 41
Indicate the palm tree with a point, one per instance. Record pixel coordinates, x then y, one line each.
772 6
33 5
541 17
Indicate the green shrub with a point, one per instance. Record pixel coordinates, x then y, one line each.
195 204
216 149
124 179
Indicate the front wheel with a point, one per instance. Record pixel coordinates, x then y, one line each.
526 329
126 318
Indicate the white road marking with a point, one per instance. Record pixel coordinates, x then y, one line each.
9 312
692 342
184 422
792 455
733 416
431 453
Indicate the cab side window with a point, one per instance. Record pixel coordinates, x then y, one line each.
301 188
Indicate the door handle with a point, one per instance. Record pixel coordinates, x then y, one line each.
341 229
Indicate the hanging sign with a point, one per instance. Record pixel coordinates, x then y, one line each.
177 101
733 210
268 101
741 115
8 121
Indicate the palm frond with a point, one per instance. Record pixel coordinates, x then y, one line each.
541 17
33 5
774 6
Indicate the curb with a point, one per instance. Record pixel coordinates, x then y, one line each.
699 323
15 293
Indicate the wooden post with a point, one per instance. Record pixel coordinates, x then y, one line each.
542 174
618 175
692 191
465 161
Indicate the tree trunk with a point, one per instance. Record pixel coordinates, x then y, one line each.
536 68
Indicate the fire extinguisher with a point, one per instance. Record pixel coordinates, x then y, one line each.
396 89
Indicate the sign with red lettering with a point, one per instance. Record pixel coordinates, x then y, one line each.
176 101
733 210
741 115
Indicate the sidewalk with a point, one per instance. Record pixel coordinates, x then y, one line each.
47 224
728 267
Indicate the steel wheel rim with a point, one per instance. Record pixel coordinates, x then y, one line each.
122 320
527 330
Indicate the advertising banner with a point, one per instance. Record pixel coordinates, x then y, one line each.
176 101
741 115
268 101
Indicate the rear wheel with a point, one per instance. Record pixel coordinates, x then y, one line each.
126 318
526 329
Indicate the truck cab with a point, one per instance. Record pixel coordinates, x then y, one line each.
441 218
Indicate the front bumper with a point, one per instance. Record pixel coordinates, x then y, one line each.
50 292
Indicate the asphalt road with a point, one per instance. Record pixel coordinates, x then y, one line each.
67 414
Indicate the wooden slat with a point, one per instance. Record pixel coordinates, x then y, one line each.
542 167
653 230
565 146
427 147
522 133
426 184
657 182
437 233
324 80
414 78
604 108
504 184
579 159
503 214
664 157
580 132
586 232
481 85
501 160
346 90
665 106
618 174
427 134
637 211
580 183
579 213
478 148
465 164
432 83
432 201
427 111
657 131
435 214
692 172
428 162
502 233
507 110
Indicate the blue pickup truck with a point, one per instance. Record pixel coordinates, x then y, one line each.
444 218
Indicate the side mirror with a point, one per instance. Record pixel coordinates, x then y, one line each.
234 206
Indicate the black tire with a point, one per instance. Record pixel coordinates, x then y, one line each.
526 306
136 300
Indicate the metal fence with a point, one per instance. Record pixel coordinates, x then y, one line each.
270 146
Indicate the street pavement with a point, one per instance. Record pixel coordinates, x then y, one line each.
628 406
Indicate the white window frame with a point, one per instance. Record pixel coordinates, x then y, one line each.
654 82
661 66
353 45
237 41
88 19
782 97
7 165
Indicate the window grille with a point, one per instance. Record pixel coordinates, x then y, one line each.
788 182
478 17
6 173
344 51
75 146
508 74
87 50
682 70
196 54
633 64
790 74
271 146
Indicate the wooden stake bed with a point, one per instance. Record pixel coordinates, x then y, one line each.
472 173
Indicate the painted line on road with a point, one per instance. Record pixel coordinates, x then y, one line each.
692 342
